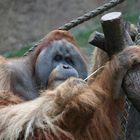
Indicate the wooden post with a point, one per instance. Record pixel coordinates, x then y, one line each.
98 39
115 34
117 39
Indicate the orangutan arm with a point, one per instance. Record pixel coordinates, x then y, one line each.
74 110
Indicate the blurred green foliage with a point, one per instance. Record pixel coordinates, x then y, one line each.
18 52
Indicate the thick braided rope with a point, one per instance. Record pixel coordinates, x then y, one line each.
91 14
84 18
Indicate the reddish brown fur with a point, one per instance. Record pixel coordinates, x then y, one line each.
28 63
2 59
100 57
54 35
75 110
9 99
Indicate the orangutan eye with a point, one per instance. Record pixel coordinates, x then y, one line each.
58 58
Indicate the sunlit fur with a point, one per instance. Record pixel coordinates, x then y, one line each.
100 57
75 110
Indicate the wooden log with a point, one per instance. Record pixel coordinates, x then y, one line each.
117 39
98 39
115 34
